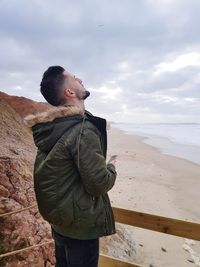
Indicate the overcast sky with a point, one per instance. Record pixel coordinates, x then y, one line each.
139 58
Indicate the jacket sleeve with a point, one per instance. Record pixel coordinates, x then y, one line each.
97 176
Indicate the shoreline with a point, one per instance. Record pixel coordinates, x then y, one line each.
152 182
167 146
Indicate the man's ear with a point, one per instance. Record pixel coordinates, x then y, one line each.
69 93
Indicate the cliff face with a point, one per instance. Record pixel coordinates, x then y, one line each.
27 228
22 105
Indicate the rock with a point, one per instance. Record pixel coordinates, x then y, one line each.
163 249
191 261
16 192
123 241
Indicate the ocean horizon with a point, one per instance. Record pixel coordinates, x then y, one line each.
177 139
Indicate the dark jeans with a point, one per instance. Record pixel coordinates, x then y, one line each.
71 252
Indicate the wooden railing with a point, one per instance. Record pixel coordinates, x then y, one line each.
147 221
106 261
152 222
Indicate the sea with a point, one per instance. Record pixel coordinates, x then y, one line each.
177 139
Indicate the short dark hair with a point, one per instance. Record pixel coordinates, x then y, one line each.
51 85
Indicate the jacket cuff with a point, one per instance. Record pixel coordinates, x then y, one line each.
111 167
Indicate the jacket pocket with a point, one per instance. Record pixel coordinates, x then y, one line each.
84 210
85 202
89 210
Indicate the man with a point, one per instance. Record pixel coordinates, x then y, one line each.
71 176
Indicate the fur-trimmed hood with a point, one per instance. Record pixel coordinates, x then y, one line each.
49 126
51 114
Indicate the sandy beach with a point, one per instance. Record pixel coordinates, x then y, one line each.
152 182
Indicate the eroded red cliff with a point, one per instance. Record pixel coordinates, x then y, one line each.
24 106
27 228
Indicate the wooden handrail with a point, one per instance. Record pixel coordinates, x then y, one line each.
107 261
152 222
147 221
158 223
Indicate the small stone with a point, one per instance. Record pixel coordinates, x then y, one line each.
163 249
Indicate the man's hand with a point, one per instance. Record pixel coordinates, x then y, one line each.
113 159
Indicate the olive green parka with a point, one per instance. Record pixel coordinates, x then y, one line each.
71 177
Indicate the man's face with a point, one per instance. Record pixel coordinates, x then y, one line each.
76 85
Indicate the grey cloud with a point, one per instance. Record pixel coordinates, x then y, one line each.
34 35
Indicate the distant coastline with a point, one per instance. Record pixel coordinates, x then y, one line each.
181 140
